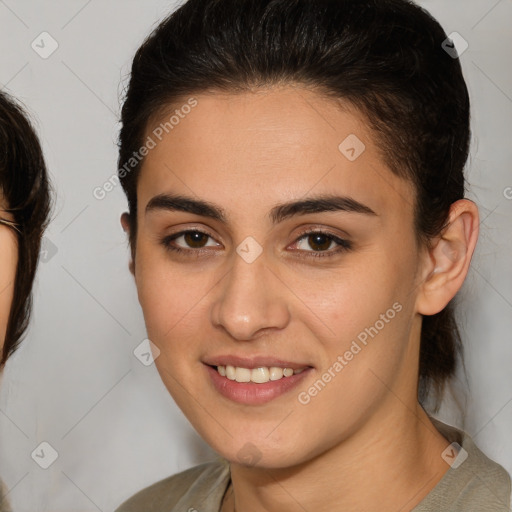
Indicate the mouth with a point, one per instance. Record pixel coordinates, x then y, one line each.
259 375
256 381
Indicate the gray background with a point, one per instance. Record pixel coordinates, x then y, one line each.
75 382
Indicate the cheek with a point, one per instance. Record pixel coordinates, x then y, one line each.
349 299
365 313
170 297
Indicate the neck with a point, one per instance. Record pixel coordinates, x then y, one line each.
391 463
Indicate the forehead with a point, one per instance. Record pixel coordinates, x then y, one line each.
270 145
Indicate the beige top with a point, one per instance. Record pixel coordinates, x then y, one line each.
4 504
477 485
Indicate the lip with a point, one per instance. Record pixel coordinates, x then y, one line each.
251 393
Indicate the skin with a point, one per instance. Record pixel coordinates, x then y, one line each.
8 264
279 145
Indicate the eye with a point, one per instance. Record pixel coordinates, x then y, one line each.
187 241
320 242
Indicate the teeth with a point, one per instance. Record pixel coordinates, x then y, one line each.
242 374
230 372
276 373
258 375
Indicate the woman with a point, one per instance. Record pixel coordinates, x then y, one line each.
298 227
24 210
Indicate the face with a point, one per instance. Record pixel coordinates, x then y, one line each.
8 263
293 263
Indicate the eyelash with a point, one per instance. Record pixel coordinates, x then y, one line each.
343 245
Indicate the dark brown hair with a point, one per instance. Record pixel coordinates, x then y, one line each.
25 187
385 57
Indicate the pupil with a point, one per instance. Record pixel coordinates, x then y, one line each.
194 239
321 242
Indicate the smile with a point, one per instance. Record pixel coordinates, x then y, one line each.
254 383
259 375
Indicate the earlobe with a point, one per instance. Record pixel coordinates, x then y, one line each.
125 223
449 258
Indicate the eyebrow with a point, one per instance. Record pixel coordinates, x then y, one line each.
279 213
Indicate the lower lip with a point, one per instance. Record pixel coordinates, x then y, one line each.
251 393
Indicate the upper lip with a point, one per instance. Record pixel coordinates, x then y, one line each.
253 362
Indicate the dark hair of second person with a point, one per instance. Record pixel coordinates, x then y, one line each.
25 207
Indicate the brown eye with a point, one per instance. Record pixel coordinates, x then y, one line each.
195 239
191 241
319 241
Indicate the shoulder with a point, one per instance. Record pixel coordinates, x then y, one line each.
4 505
473 483
185 490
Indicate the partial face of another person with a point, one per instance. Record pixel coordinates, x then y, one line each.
8 263
325 291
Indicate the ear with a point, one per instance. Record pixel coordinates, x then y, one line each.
125 223
447 260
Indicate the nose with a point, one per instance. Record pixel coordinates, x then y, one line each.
250 300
